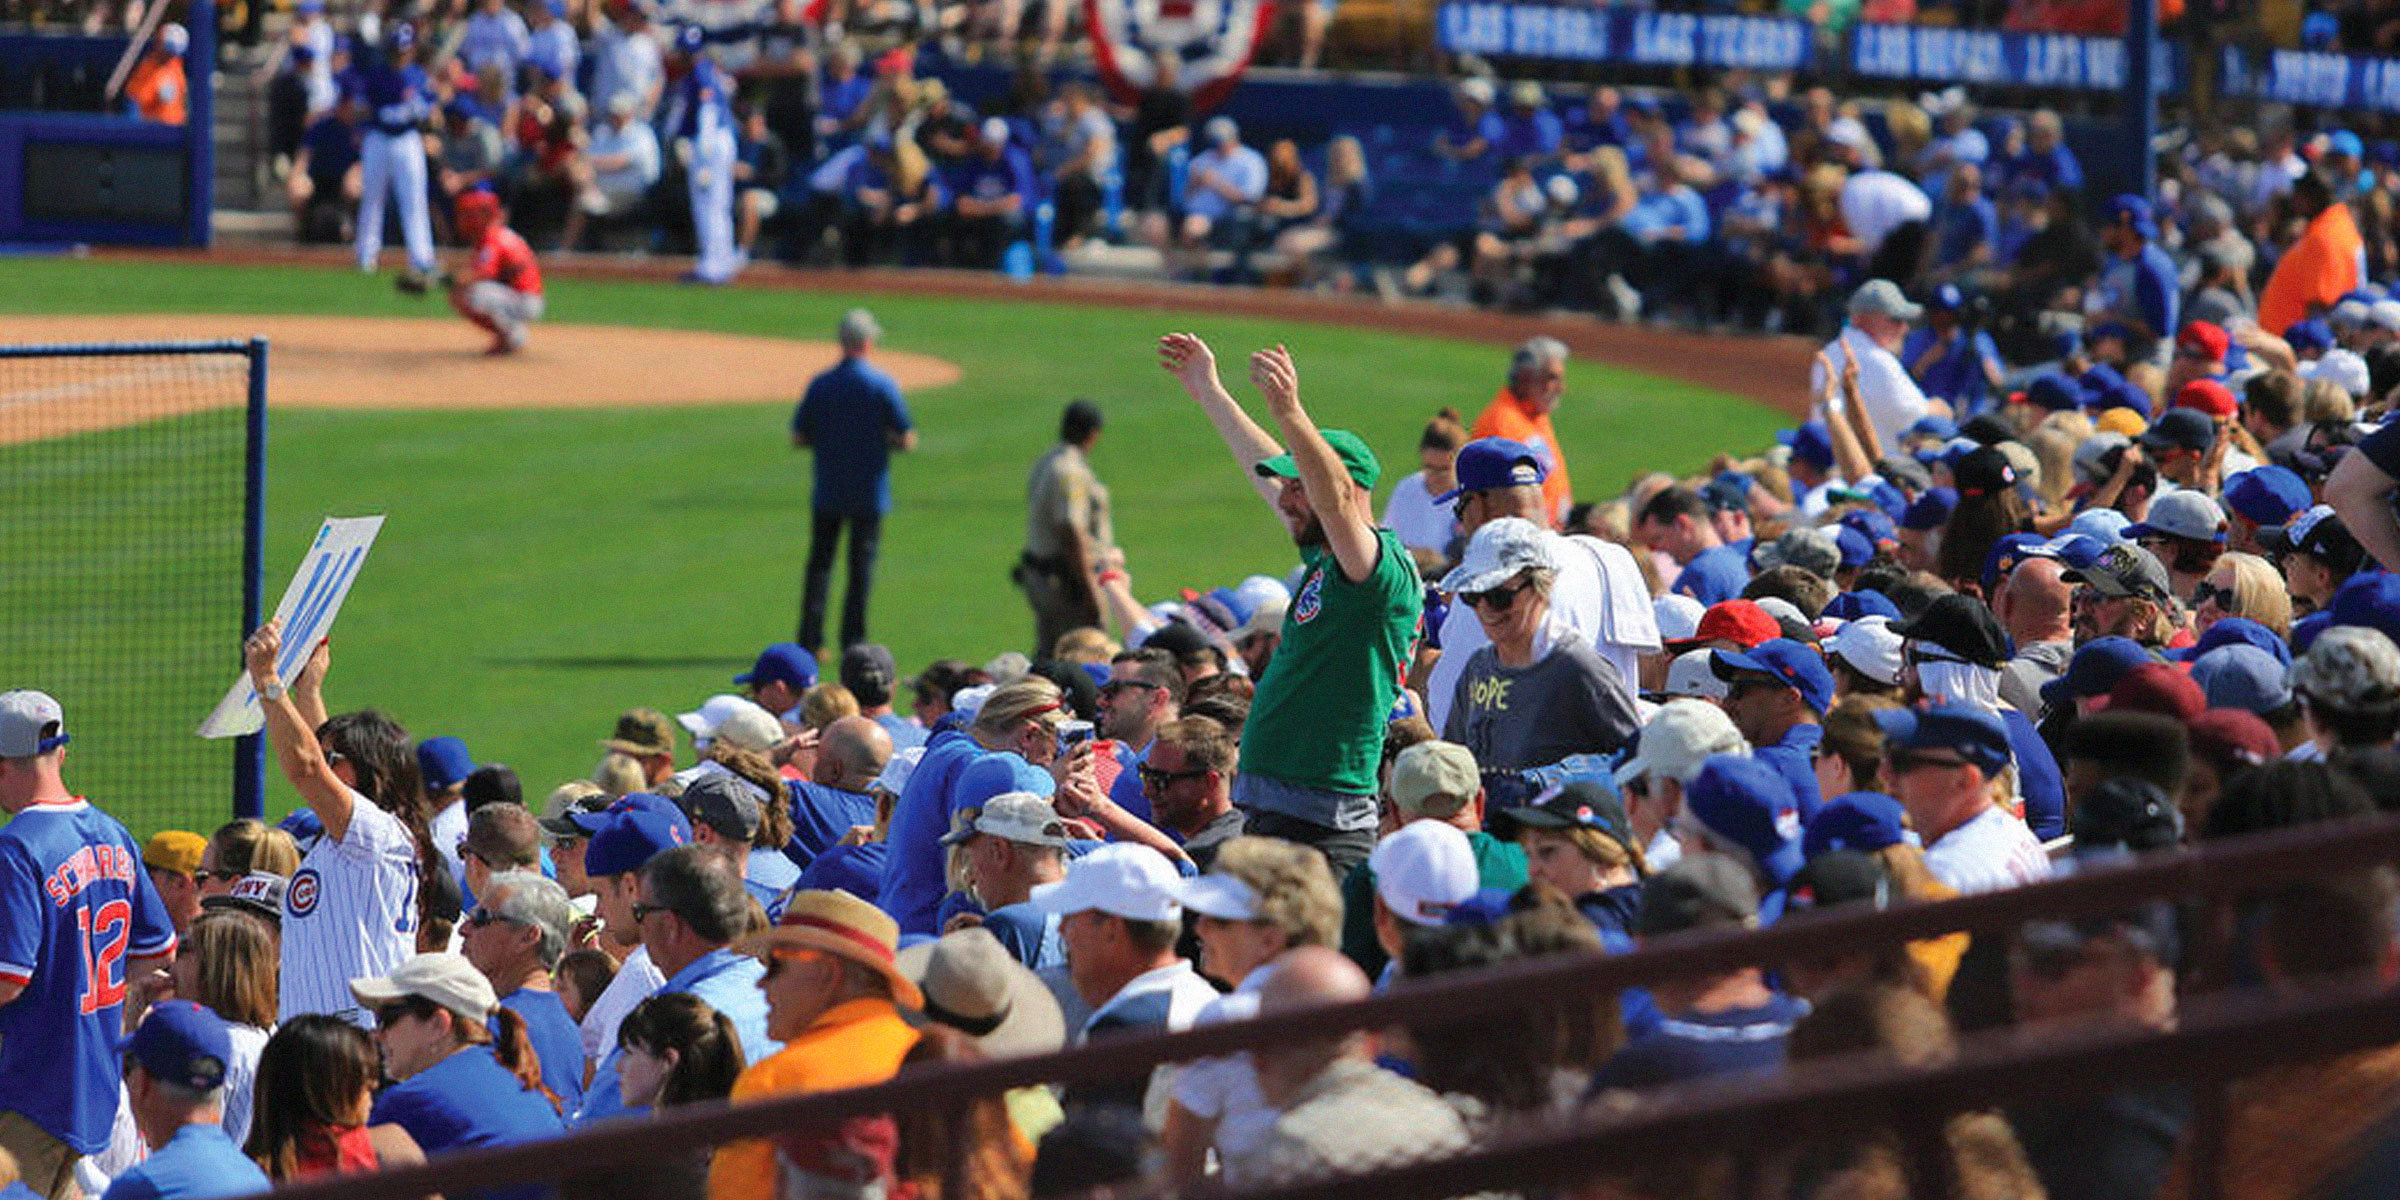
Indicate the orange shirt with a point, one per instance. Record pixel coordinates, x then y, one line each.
2319 269
1508 417
855 1043
157 90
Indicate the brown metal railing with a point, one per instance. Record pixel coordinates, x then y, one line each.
2211 1047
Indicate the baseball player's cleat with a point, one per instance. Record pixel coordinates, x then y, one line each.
410 283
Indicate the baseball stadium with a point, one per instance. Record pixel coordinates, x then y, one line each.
972 600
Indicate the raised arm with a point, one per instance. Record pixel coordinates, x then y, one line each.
2361 494
1194 366
1339 503
294 739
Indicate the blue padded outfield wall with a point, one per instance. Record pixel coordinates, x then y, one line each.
70 173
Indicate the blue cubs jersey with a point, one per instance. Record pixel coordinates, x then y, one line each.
390 99
75 905
703 104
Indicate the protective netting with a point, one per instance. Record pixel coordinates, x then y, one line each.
123 479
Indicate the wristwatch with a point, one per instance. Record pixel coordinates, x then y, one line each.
273 691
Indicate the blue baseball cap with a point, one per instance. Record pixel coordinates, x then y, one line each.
2130 207
1865 821
2103 525
1724 496
2098 378
1810 444
1742 800
2006 553
2123 394
1873 524
2371 600
690 38
1931 510
2311 334
1971 733
629 837
2237 631
1946 298
1933 427
183 1043
2076 550
1850 606
1855 549
1795 665
1487 463
2095 669
2306 629
2053 392
2320 31
444 763
784 662
2268 495
2245 677
2342 141
303 824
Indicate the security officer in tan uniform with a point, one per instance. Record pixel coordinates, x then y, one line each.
1069 543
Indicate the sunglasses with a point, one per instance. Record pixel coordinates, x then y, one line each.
2206 592
1497 599
642 911
1152 777
484 916
397 1011
204 875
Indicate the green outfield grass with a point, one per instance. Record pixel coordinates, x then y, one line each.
541 570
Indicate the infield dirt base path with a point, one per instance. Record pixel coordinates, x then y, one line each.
365 362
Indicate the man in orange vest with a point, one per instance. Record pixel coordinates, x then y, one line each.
1537 376
156 86
2326 264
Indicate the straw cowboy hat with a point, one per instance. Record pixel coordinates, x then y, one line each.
839 923
971 983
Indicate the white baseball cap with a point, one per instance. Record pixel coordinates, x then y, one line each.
737 720
2384 314
1678 738
1122 879
31 723
1014 817
1497 552
897 769
1693 676
1870 647
1221 896
1423 871
2344 367
1678 616
967 702
446 979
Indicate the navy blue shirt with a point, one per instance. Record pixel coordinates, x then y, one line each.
849 415
1957 376
988 179
469 1100
2156 293
199 1162
1714 575
556 1038
2038 778
1697 1045
332 146
822 817
1958 228
857 870
1795 758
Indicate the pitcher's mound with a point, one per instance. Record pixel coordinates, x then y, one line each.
365 362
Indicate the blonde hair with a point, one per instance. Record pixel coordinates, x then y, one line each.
1030 698
1296 892
1085 644
1596 847
2053 444
238 966
2258 591
620 774
564 796
250 845
826 703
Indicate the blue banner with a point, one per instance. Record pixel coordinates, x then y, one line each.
1989 58
1621 34
2312 78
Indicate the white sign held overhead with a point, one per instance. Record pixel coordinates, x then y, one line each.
310 603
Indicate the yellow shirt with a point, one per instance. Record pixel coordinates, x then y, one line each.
852 1044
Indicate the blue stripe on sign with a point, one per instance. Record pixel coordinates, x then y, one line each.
309 621
291 659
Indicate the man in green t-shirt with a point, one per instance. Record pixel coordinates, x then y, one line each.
1315 732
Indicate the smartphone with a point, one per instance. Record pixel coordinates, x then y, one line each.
1073 733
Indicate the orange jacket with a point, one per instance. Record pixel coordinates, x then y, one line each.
2319 269
1508 417
158 91
854 1043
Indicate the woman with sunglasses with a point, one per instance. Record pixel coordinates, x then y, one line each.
1539 692
2242 585
240 847
353 907
316 1083
467 1072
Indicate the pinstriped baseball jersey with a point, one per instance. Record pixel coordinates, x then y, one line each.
74 905
350 912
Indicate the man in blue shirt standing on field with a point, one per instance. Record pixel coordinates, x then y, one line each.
852 416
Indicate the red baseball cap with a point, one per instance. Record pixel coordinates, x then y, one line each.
1741 622
2236 733
2158 688
2208 396
2204 340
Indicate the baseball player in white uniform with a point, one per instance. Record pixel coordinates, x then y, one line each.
350 911
394 97
703 114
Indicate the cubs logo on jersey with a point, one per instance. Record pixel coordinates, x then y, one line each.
300 899
1311 599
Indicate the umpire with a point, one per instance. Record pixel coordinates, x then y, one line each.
1069 543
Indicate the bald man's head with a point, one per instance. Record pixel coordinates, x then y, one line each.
851 753
1309 977
2034 604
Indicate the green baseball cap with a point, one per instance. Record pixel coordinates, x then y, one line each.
1347 446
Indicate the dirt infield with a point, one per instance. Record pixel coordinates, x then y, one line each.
1771 370
349 362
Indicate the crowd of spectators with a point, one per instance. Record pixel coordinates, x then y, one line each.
1924 646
